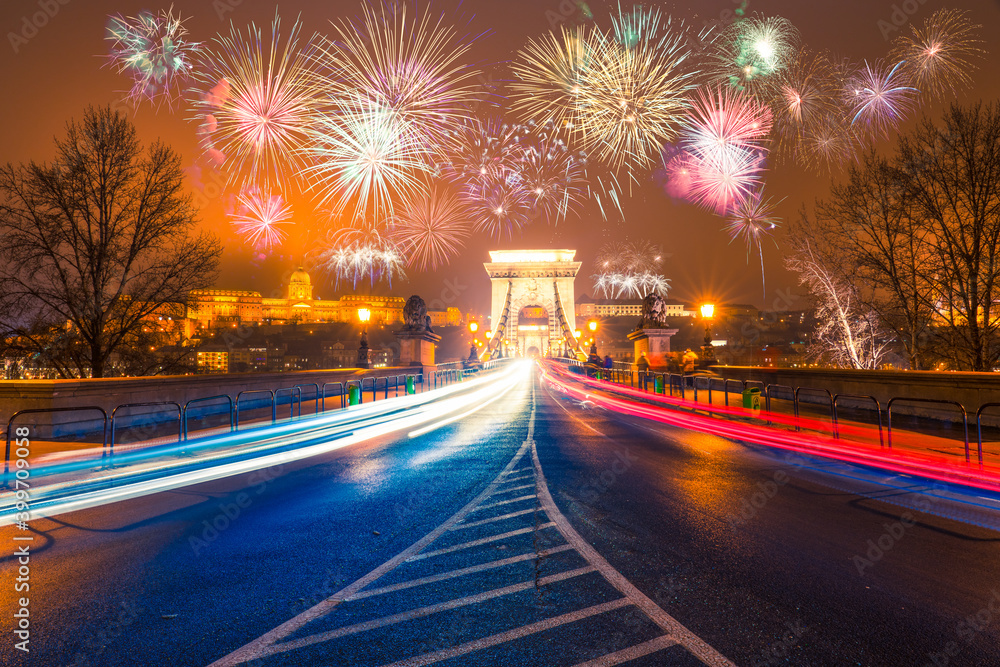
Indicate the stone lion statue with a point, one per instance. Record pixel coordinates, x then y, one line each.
415 316
654 313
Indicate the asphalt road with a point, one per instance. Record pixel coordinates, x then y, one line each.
537 531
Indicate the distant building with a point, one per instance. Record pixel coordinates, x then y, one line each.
590 307
216 308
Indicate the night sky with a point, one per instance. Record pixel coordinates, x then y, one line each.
59 71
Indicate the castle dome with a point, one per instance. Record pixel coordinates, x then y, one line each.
299 277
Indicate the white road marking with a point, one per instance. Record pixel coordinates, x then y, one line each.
476 543
631 653
510 635
268 644
427 611
482 567
515 488
258 647
494 519
505 502
672 626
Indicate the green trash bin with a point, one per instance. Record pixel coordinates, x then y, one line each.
353 395
658 384
410 386
460 376
751 399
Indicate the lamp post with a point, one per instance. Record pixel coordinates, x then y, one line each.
592 325
707 351
473 355
364 314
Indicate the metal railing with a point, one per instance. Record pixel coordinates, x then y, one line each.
857 397
33 411
205 400
795 403
270 393
294 395
114 415
965 419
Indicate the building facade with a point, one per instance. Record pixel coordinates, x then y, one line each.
215 308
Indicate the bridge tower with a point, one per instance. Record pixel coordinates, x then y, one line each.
533 302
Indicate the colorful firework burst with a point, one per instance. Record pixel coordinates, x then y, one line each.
258 217
753 51
629 257
880 97
257 102
482 152
550 77
939 55
723 139
408 67
752 219
499 208
806 95
622 93
362 156
152 49
431 228
552 174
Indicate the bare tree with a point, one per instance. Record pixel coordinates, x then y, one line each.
951 178
849 333
915 237
95 244
882 248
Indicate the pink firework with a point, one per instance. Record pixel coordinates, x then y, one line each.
723 140
258 217
880 97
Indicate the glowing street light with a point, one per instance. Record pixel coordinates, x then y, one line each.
473 327
707 351
592 325
364 314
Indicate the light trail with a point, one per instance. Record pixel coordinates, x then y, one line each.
382 419
906 463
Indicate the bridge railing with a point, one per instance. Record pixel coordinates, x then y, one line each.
817 403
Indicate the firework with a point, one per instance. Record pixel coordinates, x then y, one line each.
363 253
258 217
752 219
629 257
622 93
628 269
431 228
753 51
939 55
630 285
482 152
806 95
362 156
256 103
499 208
550 78
552 174
828 143
410 68
154 51
723 140
880 97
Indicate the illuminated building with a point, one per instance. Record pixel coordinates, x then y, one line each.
215 308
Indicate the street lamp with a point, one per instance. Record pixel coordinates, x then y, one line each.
473 354
592 325
707 351
364 314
